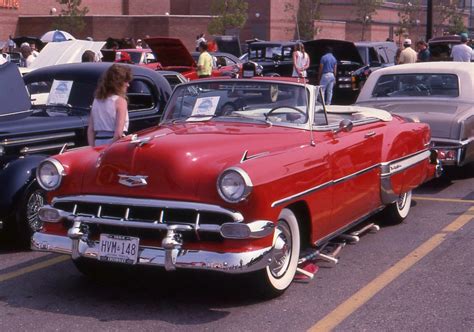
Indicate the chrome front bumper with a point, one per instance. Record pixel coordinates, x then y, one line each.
242 262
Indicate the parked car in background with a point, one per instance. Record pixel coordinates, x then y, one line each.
173 77
351 70
377 55
437 93
173 55
275 58
241 176
440 47
138 56
58 120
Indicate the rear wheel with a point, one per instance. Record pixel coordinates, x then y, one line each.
398 210
277 277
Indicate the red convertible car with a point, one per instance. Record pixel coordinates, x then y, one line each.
240 176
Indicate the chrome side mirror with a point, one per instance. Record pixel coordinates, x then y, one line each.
344 126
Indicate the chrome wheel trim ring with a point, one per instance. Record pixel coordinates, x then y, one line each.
34 203
402 201
282 250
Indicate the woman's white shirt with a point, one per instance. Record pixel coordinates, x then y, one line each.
301 61
104 114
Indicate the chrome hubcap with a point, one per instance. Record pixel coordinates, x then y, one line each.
35 202
282 250
402 201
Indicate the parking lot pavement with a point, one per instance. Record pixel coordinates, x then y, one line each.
414 276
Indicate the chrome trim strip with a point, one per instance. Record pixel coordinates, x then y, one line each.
350 176
454 141
236 216
232 263
400 164
17 141
408 161
34 149
14 113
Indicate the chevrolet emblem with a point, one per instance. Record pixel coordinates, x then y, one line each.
132 180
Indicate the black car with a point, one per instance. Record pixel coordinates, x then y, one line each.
61 98
275 58
351 70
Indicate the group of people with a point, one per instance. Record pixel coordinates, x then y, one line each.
461 52
326 73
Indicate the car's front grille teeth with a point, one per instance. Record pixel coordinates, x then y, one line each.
147 214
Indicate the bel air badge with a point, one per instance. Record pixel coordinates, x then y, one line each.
132 180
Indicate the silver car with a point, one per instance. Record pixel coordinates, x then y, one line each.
437 93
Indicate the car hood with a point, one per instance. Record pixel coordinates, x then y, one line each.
184 161
69 51
342 50
14 99
445 119
228 44
170 51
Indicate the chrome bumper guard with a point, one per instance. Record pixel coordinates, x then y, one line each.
170 255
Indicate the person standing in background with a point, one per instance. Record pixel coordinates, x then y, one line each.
300 61
423 51
327 74
109 115
200 39
462 52
408 54
27 55
204 65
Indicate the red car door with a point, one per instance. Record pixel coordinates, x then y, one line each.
354 160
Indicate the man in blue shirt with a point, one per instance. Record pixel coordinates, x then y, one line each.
327 74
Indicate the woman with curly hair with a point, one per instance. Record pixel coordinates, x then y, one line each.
109 115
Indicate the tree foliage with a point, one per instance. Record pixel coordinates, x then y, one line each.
447 17
365 10
230 14
308 11
71 16
409 15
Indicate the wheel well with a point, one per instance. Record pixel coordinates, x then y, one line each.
301 211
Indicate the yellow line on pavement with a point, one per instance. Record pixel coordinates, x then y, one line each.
34 267
452 200
353 303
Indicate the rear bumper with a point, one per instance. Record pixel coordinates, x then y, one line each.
234 263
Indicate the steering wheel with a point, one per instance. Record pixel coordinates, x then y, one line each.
273 110
228 109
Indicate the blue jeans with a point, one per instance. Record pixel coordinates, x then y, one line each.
327 84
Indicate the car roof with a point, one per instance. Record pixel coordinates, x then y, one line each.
272 43
375 43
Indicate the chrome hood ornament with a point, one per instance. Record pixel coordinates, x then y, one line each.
132 180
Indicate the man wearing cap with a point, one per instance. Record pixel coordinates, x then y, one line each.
407 55
139 44
462 52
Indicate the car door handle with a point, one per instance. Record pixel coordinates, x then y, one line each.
369 134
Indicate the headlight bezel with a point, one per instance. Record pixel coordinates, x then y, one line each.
59 169
246 182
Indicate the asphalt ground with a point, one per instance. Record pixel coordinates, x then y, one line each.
416 276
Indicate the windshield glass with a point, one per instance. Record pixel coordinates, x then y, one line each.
271 53
428 85
270 102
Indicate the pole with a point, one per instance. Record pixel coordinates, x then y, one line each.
429 20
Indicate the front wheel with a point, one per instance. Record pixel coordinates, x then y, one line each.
27 221
277 277
398 210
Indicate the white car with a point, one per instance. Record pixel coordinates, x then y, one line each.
437 93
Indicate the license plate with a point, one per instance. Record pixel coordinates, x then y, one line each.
118 248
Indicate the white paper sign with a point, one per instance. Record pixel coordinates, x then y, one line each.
205 106
60 91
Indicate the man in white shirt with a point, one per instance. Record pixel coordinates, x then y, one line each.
408 55
462 52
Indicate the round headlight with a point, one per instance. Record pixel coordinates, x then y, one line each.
49 174
234 185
